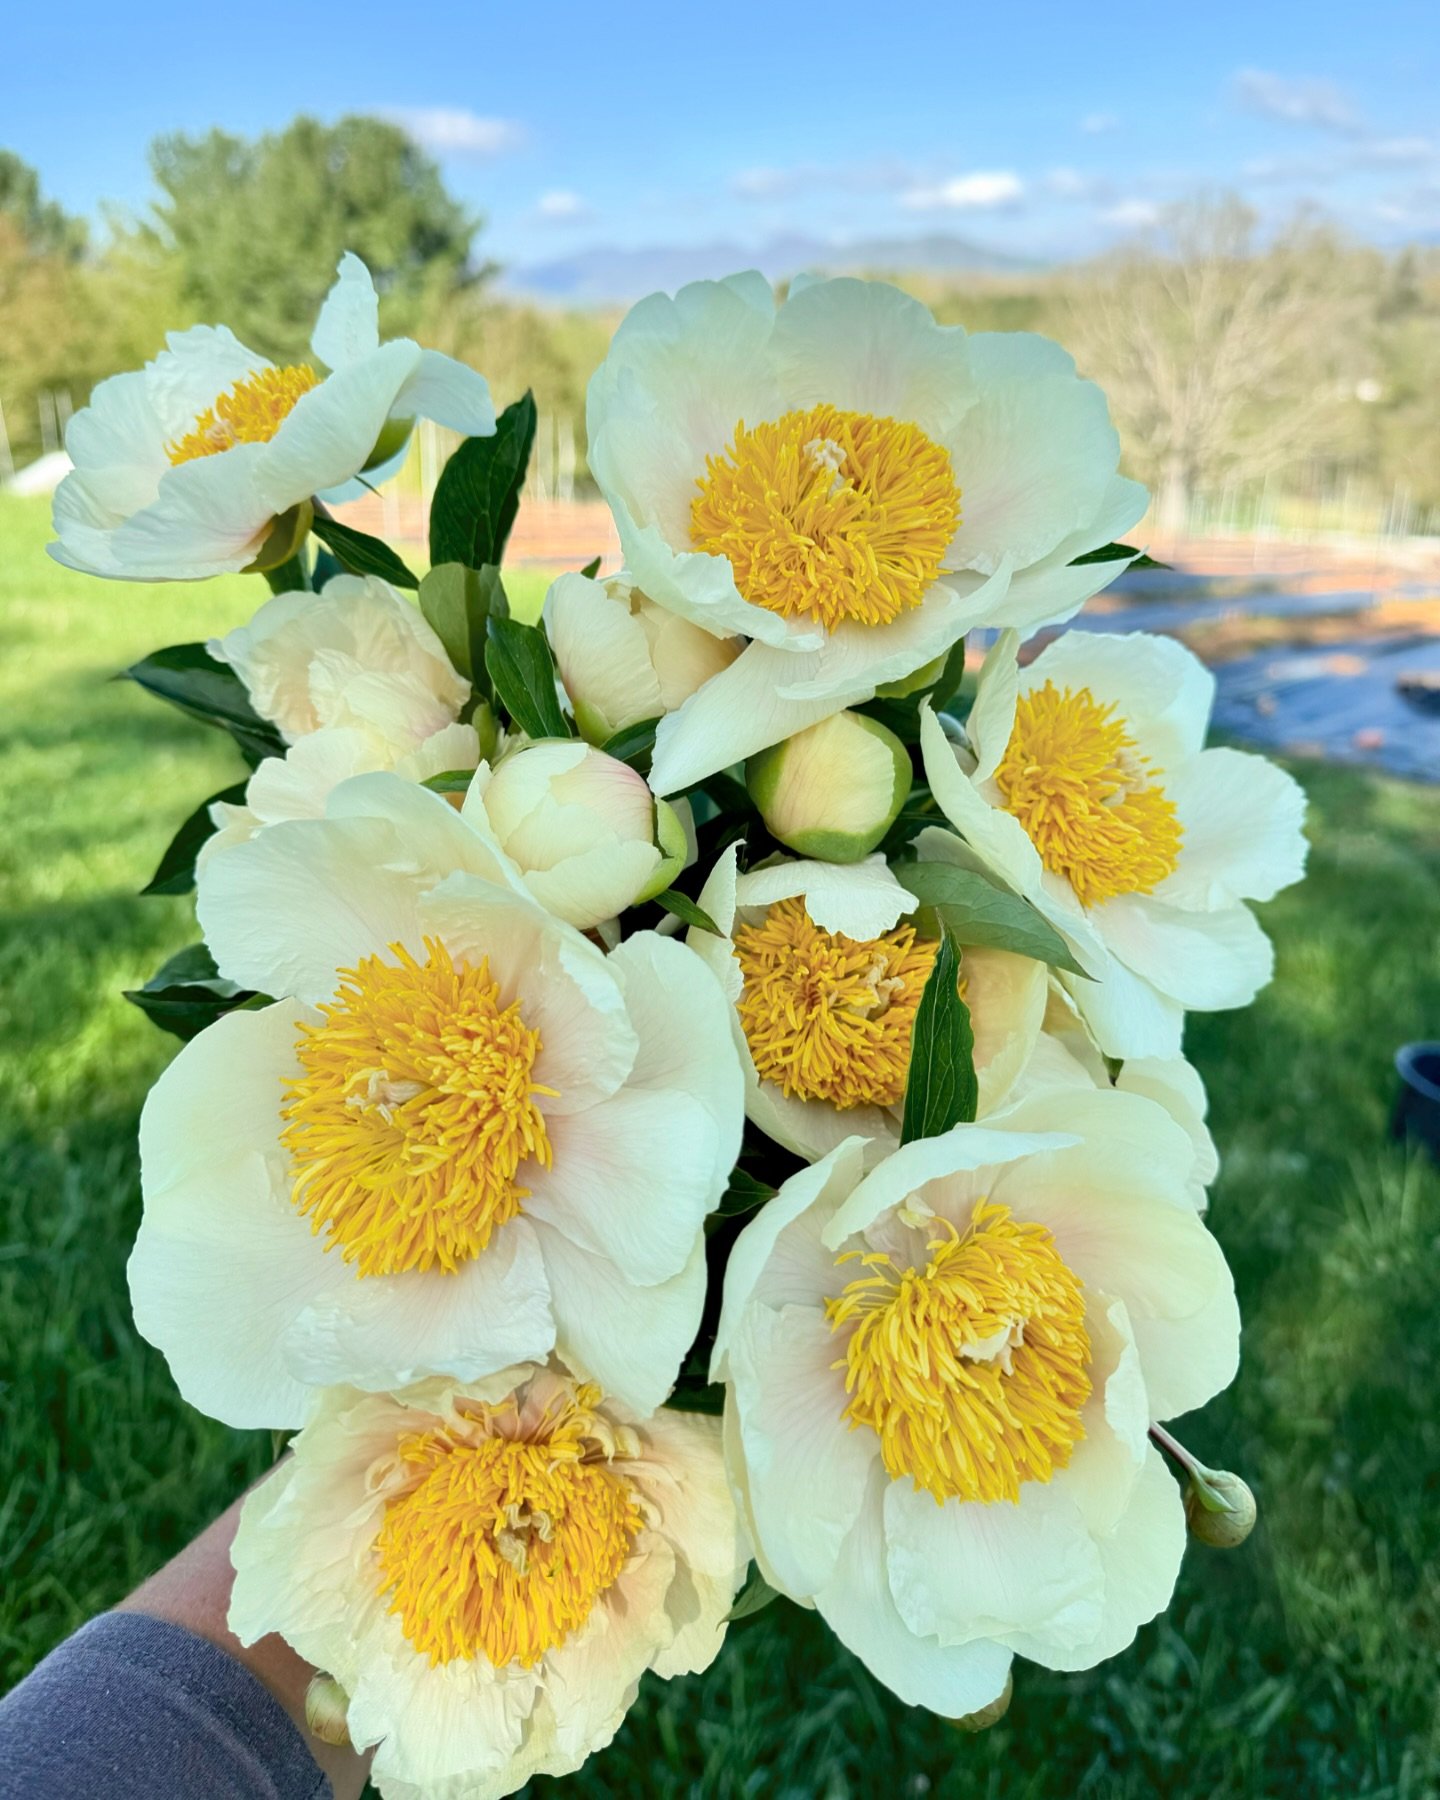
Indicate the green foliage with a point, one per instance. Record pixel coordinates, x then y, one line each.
362 554
459 604
522 674
188 677
1302 1663
478 494
175 872
44 225
975 911
188 993
941 1089
257 227
685 909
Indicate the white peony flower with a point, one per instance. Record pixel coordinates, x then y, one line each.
184 468
583 829
848 485
825 980
355 680
487 1570
356 654
1086 788
941 1377
622 659
461 1137
298 785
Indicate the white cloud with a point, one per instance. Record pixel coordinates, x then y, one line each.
1095 123
985 190
560 206
1130 215
1295 100
456 131
1398 151
1075 184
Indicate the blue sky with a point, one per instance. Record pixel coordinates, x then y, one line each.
1044 129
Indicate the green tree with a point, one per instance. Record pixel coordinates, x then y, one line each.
43 225
257 228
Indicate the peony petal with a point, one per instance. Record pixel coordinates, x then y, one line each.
806 1466
1160 689
858 1607
449 392
329 434
630 1339
223 1263
1243 818
1032 457
348 327
968 1571
385 1332
861 900
1210 960
867 347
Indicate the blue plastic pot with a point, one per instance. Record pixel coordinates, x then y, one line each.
1417 1111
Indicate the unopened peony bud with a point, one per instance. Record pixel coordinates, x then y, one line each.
1219 1508
988 1715
624 659
582 827
833 790
327 1708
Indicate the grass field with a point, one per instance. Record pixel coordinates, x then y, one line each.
1304 1664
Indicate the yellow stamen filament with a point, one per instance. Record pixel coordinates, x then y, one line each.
829 515
251 412
828 1017
972 1370
500 1545
414 1114
1090 803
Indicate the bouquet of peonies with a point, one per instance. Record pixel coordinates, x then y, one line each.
698 1079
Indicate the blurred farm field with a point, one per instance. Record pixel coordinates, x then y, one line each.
1304 1663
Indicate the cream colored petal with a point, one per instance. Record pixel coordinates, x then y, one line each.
806 1467
858 1607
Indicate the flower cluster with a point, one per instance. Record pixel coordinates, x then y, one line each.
696 1079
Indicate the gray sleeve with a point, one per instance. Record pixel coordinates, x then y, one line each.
133 1708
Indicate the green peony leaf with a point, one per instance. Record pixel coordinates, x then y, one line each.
459 603
976 911
478 494
941 1089
188 677
175 873
522 671
361 554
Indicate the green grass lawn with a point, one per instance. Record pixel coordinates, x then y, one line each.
1305 1663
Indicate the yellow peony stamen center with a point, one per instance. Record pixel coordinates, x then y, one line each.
1090 803
828 1017
972 1370
501 1546
251 412
414 1113
829 515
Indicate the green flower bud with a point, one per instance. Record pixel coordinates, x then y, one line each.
1219 1508
833 790
672 844
988 1715
327 1708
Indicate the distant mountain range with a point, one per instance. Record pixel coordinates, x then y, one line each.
608 274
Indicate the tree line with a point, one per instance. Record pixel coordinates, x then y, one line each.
1229 358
